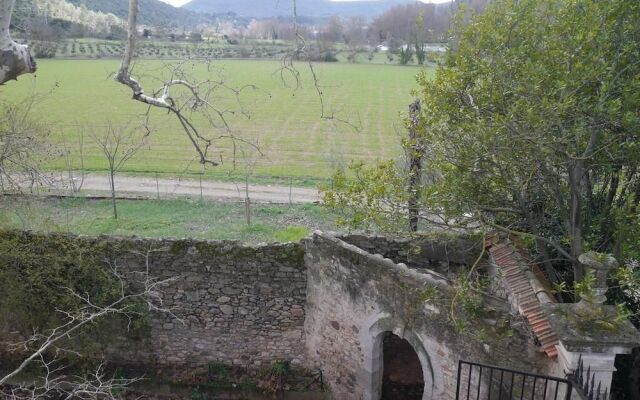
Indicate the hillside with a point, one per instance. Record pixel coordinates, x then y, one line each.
307 8
152 12
30 15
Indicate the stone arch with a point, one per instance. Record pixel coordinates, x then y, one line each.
371 336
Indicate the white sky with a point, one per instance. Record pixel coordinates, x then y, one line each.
179 3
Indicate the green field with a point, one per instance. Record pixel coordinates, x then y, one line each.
82 98
165 218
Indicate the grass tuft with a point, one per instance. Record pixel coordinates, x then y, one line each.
292 233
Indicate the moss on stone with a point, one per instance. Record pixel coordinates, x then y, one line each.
179 247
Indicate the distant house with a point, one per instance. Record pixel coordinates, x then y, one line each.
428 47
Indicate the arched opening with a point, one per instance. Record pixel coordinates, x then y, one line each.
402 376
372 335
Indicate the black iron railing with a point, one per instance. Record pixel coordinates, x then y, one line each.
487 382
584 382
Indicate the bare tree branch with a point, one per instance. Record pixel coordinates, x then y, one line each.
288 71
181 95
15 59
44 347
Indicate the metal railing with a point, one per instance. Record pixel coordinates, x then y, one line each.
584 382
487 382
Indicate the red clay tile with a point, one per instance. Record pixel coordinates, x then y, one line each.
512 261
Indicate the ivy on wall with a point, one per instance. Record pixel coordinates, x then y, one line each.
40 279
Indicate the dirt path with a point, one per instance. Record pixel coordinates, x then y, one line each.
95 184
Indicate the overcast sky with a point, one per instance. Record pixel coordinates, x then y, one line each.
178 3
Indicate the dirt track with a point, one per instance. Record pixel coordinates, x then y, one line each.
172 188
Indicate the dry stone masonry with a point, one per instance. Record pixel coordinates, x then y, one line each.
327 303
240 305
354 298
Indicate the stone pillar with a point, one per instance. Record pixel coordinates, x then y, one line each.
597 341
601 365
591 331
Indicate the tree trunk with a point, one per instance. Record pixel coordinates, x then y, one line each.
15 59
550 271
574 223
415 156
113 194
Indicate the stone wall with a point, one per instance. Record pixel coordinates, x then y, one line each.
323 304
354 297
443 253
241 305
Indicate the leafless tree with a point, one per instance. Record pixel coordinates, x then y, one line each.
248 158
118 144
355 36
334 29
22 146
47 349
399 26
289 72
74 176
182 95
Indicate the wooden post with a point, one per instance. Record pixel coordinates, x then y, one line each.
157 187
247 200
290 191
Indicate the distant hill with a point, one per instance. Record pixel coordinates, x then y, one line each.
306 8
152 12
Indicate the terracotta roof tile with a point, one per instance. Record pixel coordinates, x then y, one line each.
513 262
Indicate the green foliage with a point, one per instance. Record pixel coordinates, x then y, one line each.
535 94
197 394
368 197
421 54
279 368
406 55
217 372
248 384
292 233
596 319
627 289
466 305
38 279
428 294
586 287
530 126
273 378
152 12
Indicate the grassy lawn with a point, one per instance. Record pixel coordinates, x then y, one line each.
165 218
82 97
